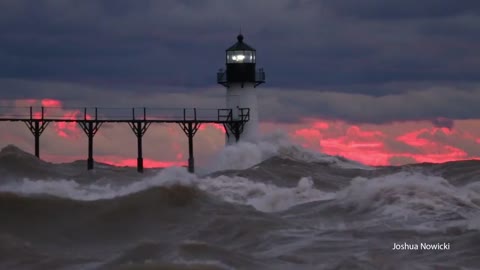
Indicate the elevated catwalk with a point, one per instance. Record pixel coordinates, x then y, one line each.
91 119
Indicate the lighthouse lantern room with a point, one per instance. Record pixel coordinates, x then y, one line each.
241 79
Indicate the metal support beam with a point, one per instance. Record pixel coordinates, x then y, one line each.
139 128
37 127
190 128
90 127
234 128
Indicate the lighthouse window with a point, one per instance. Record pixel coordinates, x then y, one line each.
240 57
249 56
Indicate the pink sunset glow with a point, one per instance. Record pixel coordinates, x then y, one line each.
383 144
165 145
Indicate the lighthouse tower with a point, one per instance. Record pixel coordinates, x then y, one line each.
241 79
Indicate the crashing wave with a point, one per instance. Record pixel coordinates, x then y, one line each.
244 155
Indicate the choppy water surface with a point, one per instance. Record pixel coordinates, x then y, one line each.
265 206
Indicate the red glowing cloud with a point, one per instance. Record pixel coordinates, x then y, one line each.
51 103
212 125
349 141
68 129
52 108
430 149
382 144
412 138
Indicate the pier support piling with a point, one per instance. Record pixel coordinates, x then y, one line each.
37 127
190 128
139 128
234 128
90 127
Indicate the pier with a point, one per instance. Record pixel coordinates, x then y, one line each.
91 119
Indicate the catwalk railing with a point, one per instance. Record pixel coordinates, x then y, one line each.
139 119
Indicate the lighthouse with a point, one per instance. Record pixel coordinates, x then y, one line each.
241 79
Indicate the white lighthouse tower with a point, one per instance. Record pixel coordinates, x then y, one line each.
241 79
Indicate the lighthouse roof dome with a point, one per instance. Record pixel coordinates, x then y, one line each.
240 45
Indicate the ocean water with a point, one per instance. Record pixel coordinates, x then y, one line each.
265 205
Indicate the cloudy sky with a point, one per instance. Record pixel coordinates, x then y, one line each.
381 82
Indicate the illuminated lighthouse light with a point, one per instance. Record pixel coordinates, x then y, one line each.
239 57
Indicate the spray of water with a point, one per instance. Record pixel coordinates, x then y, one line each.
247 154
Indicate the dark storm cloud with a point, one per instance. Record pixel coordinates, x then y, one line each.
370 48
443 122
438 105
406 9
126 41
